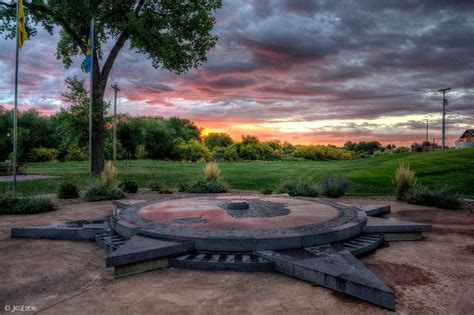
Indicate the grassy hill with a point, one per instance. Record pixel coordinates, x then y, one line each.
372 176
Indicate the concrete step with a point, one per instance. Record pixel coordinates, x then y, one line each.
141 253
375 210
222 262
333 267
109 241
363 244
83 230
395 230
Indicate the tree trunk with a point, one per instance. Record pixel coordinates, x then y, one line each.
98 127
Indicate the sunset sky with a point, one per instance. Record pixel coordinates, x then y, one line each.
300 71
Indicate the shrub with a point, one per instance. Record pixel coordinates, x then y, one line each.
103 192
441 198
212 172
207 186
230 153
401 150
404 181
184 187
76 154
298 188
334 187
140 152
321 152
267 191
68 190
192 150
381 153
25 205
109 173
154 184
128 186
43 154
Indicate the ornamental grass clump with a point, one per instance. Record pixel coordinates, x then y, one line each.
109 174
404 181
211 181
212 172
334 186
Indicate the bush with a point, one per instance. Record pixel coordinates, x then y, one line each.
401 150
154 184
267 191
76 154
334 187
192 150
103 192
206 186
25 205
140 152
109 173
43 154
298 188
321 152
68 191
184 187
440 198
128 186
404 181
212 172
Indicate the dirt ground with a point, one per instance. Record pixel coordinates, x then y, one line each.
433 276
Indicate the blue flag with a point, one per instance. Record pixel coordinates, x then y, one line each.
89 51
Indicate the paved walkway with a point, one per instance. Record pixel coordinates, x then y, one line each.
25 177
58 277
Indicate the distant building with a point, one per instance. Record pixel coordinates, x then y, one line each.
465 141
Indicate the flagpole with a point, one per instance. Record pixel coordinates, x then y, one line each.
90 104
15 110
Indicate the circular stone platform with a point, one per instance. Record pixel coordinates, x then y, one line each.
214 223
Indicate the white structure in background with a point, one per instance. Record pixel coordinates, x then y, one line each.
465 141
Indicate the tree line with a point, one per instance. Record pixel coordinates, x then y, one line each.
64 137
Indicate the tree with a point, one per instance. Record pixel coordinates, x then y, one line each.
73 126
175 35
217 139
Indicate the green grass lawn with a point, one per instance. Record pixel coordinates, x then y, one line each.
370 177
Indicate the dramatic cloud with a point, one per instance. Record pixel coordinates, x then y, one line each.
302 71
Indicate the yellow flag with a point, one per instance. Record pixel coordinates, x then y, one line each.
22 36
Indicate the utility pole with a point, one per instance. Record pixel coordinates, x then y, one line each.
114 143
427 122
445 103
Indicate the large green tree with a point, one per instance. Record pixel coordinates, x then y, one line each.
174 34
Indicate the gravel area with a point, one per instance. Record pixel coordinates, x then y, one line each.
433 276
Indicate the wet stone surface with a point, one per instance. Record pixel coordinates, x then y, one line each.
255 209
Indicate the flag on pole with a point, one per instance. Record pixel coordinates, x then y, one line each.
21 22
90 49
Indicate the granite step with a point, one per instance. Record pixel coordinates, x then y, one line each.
82 230
375 210
140 248
222 262
333 267
395 230
109 241
363 244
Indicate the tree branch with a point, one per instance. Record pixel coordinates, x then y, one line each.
58 19
118 46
